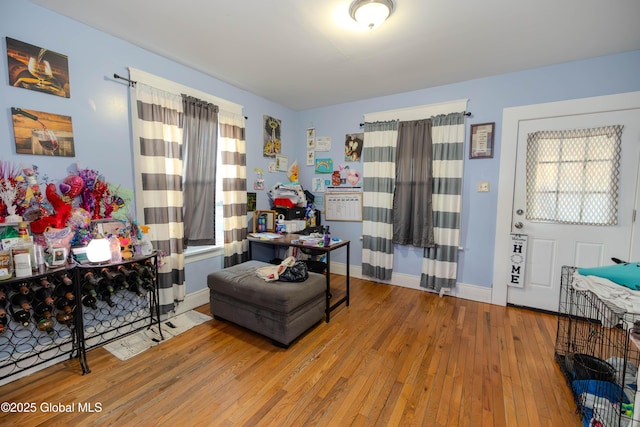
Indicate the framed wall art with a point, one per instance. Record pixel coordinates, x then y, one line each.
272 144
353 143
37 68
481 141
41 133
324 165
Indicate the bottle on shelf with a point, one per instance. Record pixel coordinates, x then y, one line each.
45 283
146 275
38 255
25 290
44 295
3 320
136 285
105 291
90 301
103 285
65 301
114 245
92 279
90 285
64 289
115 277
65 304
42 309
23 231
63 292
64 317
65 279
146 247
327 237
20 306
145 270
42 316
138 288
3 298
127 272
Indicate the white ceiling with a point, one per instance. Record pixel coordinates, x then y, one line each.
308 53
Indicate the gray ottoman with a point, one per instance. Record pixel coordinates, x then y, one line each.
281 311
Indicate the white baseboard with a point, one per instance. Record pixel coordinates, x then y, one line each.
191 301
462 290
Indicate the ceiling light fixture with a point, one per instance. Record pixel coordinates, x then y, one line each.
370 13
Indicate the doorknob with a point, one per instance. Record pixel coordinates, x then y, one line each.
518 225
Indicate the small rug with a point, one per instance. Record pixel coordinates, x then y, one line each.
132 345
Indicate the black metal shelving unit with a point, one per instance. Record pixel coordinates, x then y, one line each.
130 308
25 346
80 327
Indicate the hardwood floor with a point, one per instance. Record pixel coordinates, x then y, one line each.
394 357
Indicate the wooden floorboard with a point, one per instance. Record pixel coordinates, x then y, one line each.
394 357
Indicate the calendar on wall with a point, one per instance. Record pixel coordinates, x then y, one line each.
343 206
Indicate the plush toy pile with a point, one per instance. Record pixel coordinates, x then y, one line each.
77 199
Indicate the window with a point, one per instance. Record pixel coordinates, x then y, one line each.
199 154
572 176
224 105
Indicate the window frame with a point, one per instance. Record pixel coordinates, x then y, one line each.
192 253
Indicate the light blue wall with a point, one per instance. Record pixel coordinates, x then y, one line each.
99 110
487 98
99 104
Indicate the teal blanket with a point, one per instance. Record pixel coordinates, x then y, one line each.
627 274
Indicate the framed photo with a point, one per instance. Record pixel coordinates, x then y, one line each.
270 221
251 202
109 227
271 136
481 141
37 68
311 138
44 134
353 147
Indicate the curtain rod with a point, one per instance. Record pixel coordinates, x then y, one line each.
133 83
466 113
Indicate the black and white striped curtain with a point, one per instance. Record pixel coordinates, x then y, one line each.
440 263
234 187
157 125
379 171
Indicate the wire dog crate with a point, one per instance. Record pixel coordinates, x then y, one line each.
596 352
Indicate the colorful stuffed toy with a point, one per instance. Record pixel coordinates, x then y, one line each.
126 247
59 218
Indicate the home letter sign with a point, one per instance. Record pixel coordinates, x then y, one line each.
517 260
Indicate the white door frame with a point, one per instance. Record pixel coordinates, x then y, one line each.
511 118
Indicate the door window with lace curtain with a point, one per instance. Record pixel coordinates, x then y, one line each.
572 176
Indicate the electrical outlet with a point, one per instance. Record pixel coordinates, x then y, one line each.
483 187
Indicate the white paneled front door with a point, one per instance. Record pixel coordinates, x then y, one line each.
552 245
